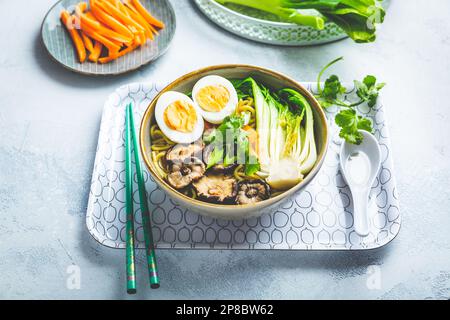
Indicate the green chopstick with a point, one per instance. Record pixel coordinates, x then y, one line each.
131 270
147 225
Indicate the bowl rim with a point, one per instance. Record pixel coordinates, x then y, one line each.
175 193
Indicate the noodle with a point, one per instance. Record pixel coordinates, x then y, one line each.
239 174
247 106
159 145
156 157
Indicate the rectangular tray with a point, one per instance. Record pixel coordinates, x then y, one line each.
318 218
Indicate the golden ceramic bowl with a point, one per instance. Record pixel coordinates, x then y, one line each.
270 78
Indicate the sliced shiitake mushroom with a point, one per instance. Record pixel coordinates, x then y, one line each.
184 152
182 173
252 191
220 167
216 188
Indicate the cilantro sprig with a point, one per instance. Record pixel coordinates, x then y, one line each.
230 142
350 122
347 118
368 90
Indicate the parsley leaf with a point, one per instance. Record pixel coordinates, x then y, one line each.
369 89
215 157
331 91
231 144
252 167
350 122
348 119
333 88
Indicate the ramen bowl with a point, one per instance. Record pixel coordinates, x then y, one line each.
269 78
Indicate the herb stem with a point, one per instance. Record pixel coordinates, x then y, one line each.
319 77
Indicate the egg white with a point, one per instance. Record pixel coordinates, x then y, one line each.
216 117
165 100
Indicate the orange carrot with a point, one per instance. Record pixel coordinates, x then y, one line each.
116 13
112 45
117 55
82 18
137 34
137 41
110 21
152 28
67 20
82 6
119 5
139 19
109 33
147 16
95 54
87 42
91 23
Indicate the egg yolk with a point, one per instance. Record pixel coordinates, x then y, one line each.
180 116
213 98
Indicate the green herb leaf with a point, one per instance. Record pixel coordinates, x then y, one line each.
229 158
331 91
252 167
215 157
333 88
350 122
230 142
368 90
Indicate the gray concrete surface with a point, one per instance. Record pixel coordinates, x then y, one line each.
49 120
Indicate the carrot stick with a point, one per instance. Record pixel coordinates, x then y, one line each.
137 34
91 23
87 42
82 18
147 16
109 33
143 37
137 41
116 13
110 21
82 6
110 44
131 8
76 38
119 5
97 51
139 19
152 28
115 56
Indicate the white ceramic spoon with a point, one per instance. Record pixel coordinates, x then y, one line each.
360 165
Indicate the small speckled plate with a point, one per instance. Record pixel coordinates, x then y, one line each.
59 44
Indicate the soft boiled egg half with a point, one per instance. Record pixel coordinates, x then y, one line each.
216 98
178 117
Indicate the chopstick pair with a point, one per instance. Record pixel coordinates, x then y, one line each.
131 141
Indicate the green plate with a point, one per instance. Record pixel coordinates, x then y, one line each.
59 45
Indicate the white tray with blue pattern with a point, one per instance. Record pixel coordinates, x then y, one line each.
318 218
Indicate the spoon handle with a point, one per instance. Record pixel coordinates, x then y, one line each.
360 212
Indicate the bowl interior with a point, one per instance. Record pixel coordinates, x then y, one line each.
267 77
